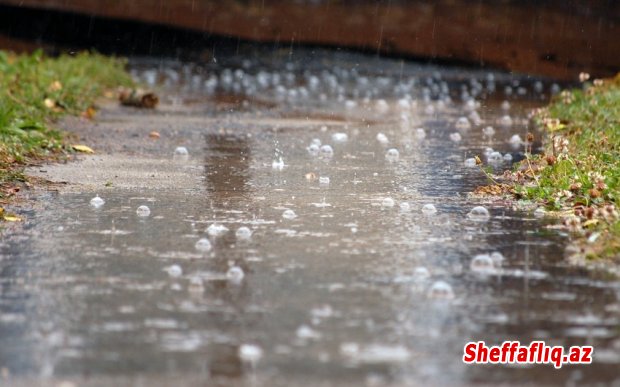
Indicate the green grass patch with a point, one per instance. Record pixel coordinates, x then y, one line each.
35 91
580 170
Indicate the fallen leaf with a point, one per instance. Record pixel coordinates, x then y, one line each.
154 134
12 218
82 148
591 222
55 86
49 103
89 113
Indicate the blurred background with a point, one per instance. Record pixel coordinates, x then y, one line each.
553 38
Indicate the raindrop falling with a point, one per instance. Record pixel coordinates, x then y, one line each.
313 149
488 131
203 245
420 133
143 211
456 137
421 273
196 285
404 206
479 214
289 214
505 121
392 155
462 123
340 137
471 162
326 152
97 202
515 140
382 138
495 158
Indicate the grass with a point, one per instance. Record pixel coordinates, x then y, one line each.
35 91
579 173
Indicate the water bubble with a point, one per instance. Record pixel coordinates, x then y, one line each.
508 157
382 138
326 152
97 202
456 137
235 274
495 158
381 106
243 233
196 285
181 151
217 229
340 137
540 212
475 118
392 155
289 214
421 273
505 121
250 353
515 140
471 162
203 245
441 290
420 133
313 149
429 110
304 332
429 209
350 104
387 203
462 123
479 214
488 131
174 271
404 206
482 264
315 141
498 258
505 105
404 104
143 211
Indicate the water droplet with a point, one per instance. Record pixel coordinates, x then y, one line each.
235 274
456 137
143 211
441 290
196 285
324 180
471 162
482 264
495 158
326 152
505 121
420 133
203 245
243 233
479 214
421 273
387 203
217 229
174 271
97 202
382 138
289 214
181 151
429 209
250 353
392 155
540 212
462 123
340 137
488 131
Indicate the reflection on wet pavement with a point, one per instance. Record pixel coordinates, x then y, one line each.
363 266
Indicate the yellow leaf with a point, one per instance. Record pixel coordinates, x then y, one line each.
591 222
82 148
12 218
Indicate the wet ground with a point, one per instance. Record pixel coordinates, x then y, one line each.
349 276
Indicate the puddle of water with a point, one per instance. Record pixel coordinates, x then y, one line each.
365 284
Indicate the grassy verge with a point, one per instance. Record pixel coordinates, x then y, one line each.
35 91
579 174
